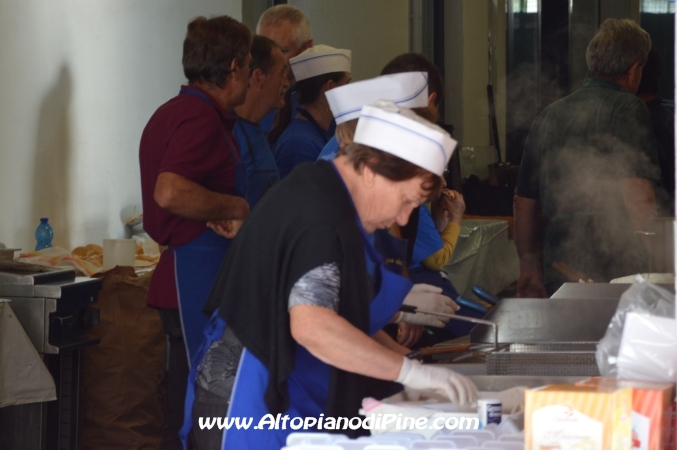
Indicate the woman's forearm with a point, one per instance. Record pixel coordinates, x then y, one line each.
385 340
333 340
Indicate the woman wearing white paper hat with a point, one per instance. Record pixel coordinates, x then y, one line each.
301 138
408 89
295 288
432 233
418 90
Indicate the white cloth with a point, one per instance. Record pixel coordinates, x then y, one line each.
319 60
400 132
24 378
409 89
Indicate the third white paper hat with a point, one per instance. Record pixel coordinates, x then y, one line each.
319 60
409 89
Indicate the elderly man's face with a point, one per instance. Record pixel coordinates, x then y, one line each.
282 35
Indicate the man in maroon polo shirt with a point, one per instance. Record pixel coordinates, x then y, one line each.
191 176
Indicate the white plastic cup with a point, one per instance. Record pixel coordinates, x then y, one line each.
118 252
489 410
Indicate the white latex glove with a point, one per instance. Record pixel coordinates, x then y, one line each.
454 386
427 298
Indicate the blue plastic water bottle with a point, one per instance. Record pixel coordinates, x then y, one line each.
43 235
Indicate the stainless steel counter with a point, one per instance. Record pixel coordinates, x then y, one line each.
497 383
598 290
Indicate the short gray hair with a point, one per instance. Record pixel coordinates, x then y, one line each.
279 14
616 47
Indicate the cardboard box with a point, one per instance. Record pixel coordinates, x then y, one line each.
562 417
652 411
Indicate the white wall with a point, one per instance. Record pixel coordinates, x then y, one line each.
375 30
252 10
80 80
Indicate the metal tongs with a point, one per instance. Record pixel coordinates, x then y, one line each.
494 325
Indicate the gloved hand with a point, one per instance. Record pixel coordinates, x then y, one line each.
427 298
454 386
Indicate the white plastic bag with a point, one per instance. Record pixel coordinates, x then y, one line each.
648 349
641 297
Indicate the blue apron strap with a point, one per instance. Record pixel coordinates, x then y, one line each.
251 148
259 180
242 188
324 134
240 171
213 331
197 93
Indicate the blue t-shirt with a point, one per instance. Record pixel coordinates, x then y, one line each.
259 163
428 240
328 153
301 141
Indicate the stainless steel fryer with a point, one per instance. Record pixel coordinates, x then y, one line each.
544 337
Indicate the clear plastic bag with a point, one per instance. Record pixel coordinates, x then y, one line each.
642 297
648 350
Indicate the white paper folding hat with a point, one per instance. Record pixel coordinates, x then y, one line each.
400 132
319 60
409 89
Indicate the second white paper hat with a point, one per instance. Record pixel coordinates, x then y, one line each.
408 89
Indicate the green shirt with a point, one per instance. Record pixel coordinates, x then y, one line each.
577 152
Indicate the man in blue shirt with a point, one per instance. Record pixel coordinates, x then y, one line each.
268 82
288 27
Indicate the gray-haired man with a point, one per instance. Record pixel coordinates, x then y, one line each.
288 27
586 179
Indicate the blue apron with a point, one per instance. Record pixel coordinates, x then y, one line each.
381 311
308 385
261 179
392 249
213 331
197 263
